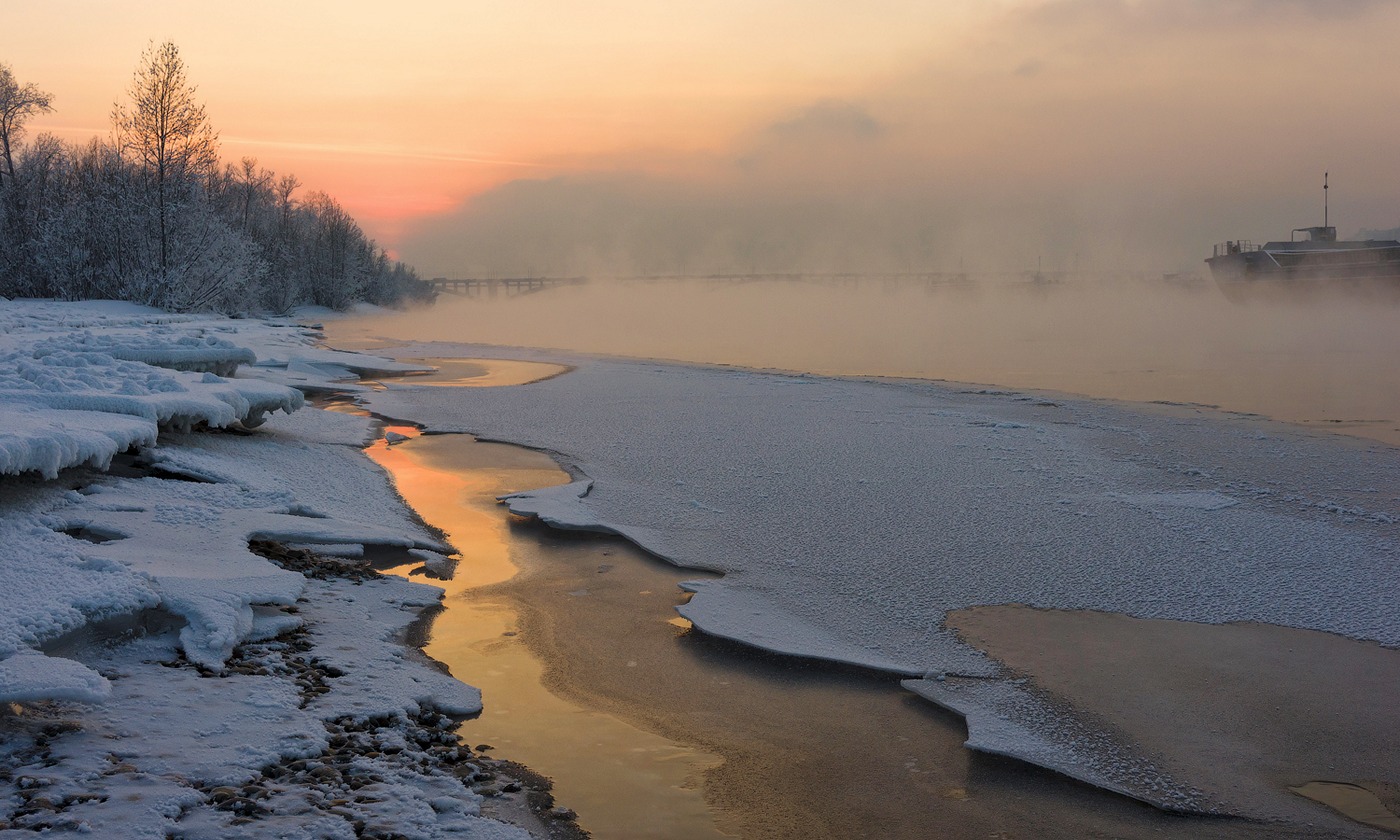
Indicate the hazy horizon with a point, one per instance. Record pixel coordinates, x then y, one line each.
476 139
1315 360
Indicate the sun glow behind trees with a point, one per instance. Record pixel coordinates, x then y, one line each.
149 215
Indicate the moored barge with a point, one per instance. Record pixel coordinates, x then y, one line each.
1320 262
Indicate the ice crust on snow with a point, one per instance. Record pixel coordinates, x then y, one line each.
29 675
126 598
202 353
1004 719
58 377
48 440
848 516
770 627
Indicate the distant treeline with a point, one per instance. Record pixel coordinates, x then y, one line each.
152 215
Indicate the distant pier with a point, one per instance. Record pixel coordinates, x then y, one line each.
932 280
476 286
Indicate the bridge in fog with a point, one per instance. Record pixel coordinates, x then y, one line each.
474 286
510 286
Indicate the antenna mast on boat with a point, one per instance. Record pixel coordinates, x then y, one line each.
1324 199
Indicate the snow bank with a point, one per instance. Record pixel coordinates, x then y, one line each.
190 540
203 353
62 379
29 675
48 440
849 516
52 588
148 369
58 377
211 670
80 383
149 760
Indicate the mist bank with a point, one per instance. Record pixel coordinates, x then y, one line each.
1323 361
639 223
1083 134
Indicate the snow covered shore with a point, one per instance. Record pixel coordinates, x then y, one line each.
160 677
849 517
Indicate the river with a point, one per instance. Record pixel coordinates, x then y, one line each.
649 729
1321 362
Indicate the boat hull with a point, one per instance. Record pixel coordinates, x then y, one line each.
1371 271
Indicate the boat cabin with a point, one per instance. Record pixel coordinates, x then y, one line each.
1316 234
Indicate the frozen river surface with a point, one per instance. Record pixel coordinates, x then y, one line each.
849 517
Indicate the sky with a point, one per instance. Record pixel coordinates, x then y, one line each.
620 136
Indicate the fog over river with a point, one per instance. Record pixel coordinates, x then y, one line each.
1326 362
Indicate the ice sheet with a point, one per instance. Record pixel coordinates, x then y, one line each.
849 516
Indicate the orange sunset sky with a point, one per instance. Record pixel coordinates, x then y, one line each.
513 136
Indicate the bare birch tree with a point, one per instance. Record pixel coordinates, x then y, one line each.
167 131
252 182
17 105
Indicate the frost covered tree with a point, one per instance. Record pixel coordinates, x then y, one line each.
33 202
167 131
152 216
283 284
17 105
252 184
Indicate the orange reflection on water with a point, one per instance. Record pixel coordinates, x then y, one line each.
447 497
458 494
625 783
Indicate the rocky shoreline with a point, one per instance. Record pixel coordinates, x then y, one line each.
173 663
426 744
423 748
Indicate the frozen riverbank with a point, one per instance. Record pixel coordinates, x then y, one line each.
850 517
160 676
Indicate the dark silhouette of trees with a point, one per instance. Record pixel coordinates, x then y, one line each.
17 105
